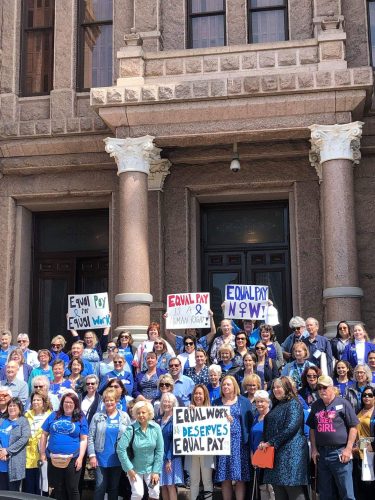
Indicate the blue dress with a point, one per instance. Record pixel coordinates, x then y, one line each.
236 466
176 476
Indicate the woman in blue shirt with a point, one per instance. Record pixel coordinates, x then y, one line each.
125 347
106 429
343 376
66 431
146 440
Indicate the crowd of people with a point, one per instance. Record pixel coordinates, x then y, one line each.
101 404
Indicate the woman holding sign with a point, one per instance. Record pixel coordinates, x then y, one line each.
200 465
236 466
172 472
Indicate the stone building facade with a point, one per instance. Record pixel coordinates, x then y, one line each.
127 186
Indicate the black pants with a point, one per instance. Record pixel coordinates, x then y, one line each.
5 484
64 481
289 492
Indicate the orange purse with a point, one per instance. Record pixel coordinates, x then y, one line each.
264 459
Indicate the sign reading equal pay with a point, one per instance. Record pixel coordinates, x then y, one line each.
246 302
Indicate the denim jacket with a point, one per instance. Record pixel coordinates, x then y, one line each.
97 430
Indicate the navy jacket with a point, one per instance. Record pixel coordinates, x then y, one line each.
167 432
350 353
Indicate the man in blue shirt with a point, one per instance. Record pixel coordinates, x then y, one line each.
319 347
183 385
5 347
18 387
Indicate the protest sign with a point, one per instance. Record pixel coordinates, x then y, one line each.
201 430
188 310
246 302
89 311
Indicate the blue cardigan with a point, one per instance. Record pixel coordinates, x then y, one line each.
350 353
246 416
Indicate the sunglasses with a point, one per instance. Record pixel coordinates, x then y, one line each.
21 341
90 383
124 337
38 386
118 362
321 387
241 338
368 395
189 343
174 366
312 376
111 348
164 384
114 386
260 349
158 343
56 345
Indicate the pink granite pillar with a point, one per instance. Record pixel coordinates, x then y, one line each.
133 157
334 150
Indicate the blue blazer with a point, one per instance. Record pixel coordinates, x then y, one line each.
350 353
246 416
167 432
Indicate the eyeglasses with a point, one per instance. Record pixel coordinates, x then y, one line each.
68 403
189 343
360 373
90 383
21 341
38 386
164 384
124 337
368 395
260 349
56 345
174 366
343 328
321 387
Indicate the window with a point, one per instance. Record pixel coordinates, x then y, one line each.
268 21
206 23
94 44
371 29
37 47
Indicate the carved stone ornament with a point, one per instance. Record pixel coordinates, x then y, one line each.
158 173
334 142
133 154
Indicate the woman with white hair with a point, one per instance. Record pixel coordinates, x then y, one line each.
262 403
214 374
172 472
141 450
298 327
41 384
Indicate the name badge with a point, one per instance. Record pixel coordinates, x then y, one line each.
317 354
339 407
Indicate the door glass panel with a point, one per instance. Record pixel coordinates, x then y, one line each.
67 232
218 281
274 281
247 225
53 308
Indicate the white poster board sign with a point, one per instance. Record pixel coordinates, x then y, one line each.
188 310
246 302
201 430
88 312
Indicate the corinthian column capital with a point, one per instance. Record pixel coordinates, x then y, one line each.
133 154
335 142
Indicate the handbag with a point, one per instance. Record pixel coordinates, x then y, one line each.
264 459
368 466
129 449
60 461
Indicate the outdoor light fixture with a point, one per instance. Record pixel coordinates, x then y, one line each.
235 165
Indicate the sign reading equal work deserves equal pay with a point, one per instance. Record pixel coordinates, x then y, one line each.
188 310
88 311
246 302
201 430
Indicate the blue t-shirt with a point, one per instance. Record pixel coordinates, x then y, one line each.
108 457
214 392
58 389
64 435
3 357
5 430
